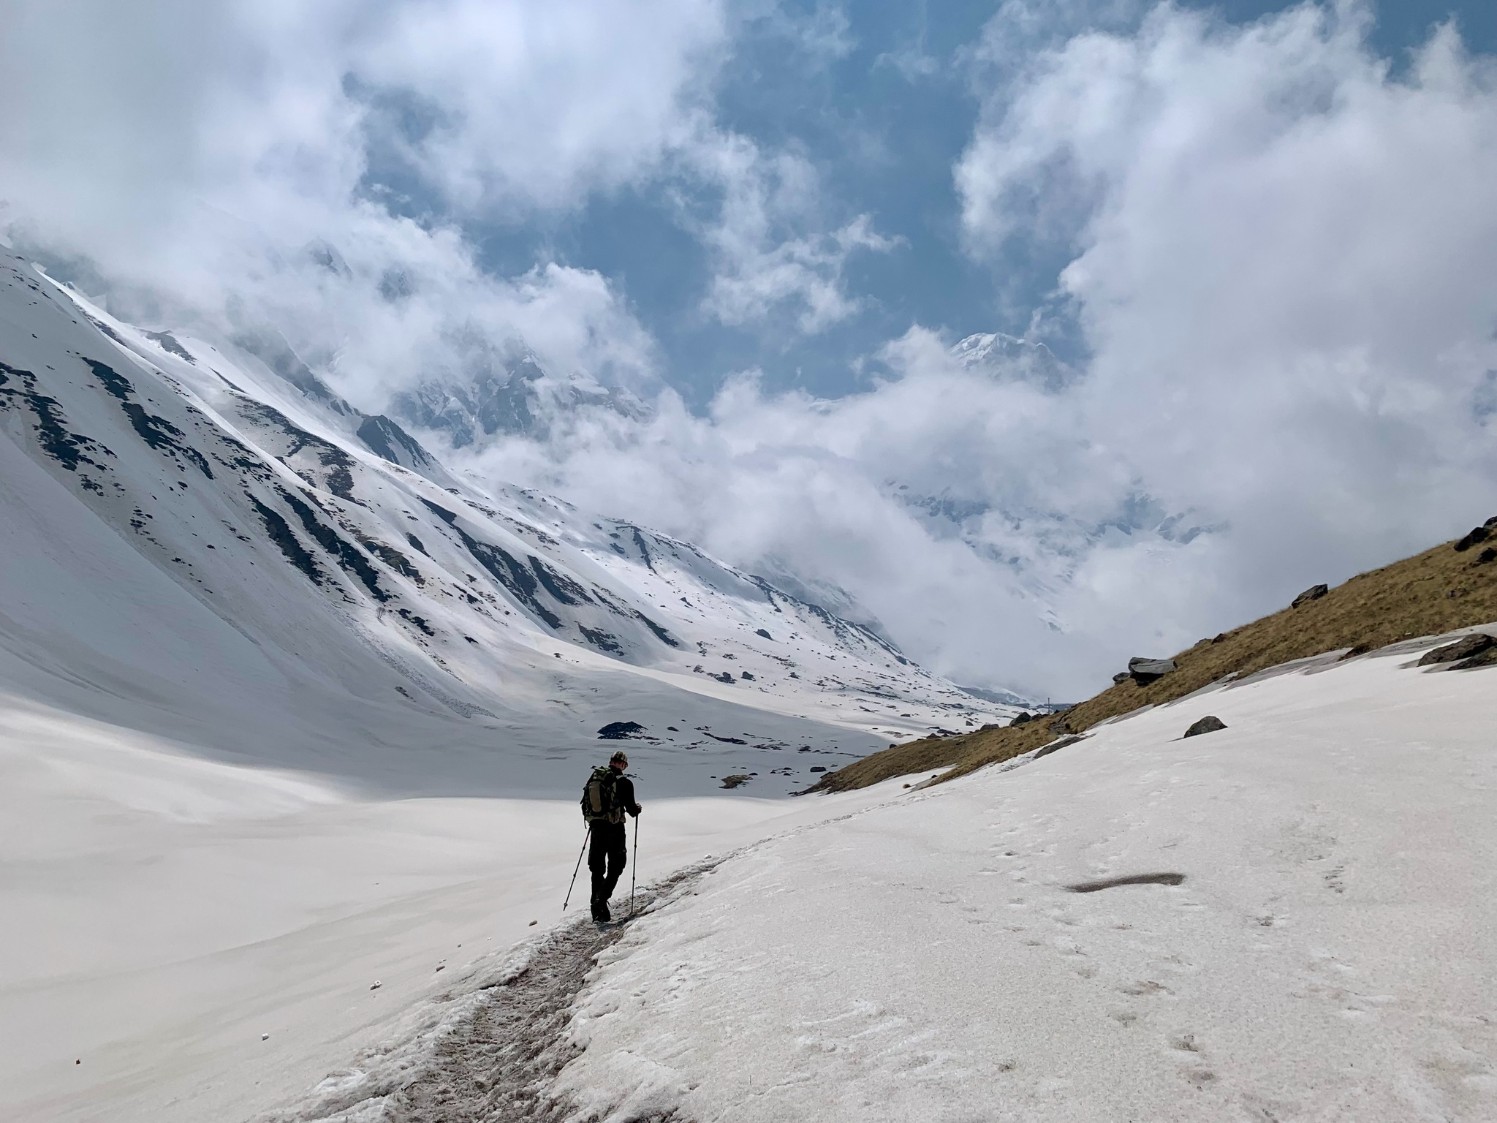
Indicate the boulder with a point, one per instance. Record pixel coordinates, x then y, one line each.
1120 678
1144 671
1487 555
1467 647
1473 536
1314 592
1022 719
1208 724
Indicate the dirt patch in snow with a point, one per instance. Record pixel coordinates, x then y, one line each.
497 1061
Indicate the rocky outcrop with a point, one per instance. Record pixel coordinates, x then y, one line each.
1476 535
1144 671
620 730
1208 724
1314 592
1466 648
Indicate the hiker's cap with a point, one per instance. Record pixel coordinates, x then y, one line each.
619 757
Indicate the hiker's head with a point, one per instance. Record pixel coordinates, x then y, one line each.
619 760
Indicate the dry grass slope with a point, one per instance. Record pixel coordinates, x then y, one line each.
1436 591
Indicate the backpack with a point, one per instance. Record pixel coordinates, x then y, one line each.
600 797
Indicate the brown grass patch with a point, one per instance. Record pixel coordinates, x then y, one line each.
1437 591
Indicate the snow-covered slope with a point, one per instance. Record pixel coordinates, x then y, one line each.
218 542
1287 919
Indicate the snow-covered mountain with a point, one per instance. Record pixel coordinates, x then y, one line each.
504 395
203 529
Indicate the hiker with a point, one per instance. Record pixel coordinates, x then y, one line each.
608 796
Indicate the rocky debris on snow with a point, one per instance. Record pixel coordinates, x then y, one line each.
1314 592
1130 879
723 677
1465 648
1057 744
1143 670
818 768
762 632
620 730
376 985
265 1037
736 779
1208 724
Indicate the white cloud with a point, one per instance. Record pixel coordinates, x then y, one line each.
199 153
1281 268
1280 263
772 251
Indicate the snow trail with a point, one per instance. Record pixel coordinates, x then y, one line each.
497 1059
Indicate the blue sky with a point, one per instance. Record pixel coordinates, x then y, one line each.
883 136
1261 235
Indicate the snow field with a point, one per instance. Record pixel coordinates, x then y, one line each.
1329 953
163 911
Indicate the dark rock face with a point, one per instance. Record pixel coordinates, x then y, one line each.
1022 719
620 730
1144 671
1208 724
1314 592
1120 678
1474 536
1467 647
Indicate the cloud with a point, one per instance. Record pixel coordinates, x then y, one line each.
1276 258
1280 270
210 160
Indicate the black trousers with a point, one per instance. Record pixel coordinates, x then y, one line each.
607 855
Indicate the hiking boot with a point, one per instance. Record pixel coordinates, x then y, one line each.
600 911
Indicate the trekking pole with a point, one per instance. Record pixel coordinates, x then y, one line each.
578 867
634 873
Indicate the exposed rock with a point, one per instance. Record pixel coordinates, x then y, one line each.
620 730
1058 743
1473 536
1487 555
1144 671
1120 678
762 632
734 780
818 768
1464 648
1314 592
1218 637
1022 719
1208 724
1487 658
